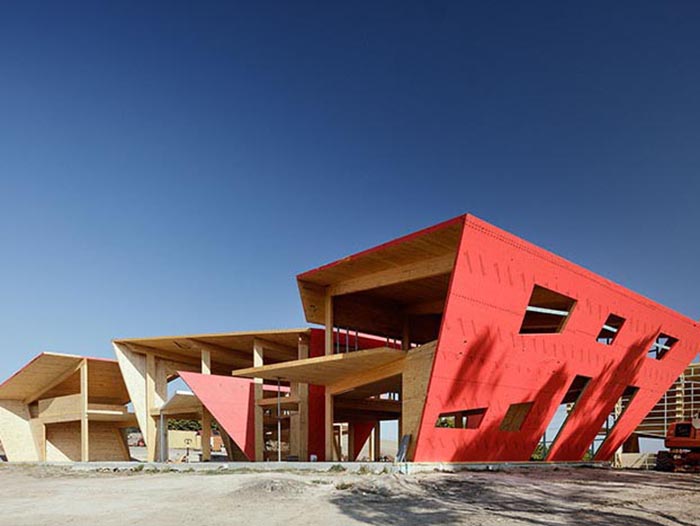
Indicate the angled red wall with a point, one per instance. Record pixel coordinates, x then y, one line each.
483 362
230 401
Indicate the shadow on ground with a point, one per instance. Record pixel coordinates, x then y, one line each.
575 497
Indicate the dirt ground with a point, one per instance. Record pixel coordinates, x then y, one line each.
36 495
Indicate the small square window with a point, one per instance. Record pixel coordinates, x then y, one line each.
661 346
515 416
610 330
546 312
467 419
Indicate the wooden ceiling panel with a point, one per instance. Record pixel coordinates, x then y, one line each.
326 370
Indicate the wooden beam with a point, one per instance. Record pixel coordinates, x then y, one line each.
276 347
58 380
233 357
287 402
426 307
84 422
157 353
413 271
258 361
374 375
368 404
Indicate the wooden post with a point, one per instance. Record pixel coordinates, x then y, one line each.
258 395
206 416
377 453
84 423
329 322
328 415
328 396
299 422
42 455
406 335
206 435
151 426
206 361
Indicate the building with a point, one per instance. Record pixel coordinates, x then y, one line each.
61 407
469 336
495 335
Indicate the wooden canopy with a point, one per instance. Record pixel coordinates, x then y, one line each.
183 404
228 350
333 369
51 375
376 290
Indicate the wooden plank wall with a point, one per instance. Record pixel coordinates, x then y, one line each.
16 432
416 375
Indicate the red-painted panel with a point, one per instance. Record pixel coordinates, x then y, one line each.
361 431
230 401
483 361
317 411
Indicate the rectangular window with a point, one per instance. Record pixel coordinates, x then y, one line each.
546 312
467 419
610 329
515 416
661 346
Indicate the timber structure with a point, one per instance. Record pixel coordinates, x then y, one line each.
468 336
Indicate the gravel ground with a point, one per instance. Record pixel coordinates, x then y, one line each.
49 495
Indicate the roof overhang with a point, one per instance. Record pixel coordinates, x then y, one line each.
339 372
375 290
45 373
228 350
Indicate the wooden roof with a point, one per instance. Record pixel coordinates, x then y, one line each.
326 370
51 374
228 350
373 289
182 404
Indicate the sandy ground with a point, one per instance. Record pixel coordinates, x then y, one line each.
37 495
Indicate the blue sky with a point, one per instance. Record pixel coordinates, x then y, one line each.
169 168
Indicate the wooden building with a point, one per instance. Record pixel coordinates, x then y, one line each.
61 408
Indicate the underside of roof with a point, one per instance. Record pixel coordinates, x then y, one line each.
228 350
376 290
51 374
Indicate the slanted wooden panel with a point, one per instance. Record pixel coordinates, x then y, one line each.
52 375
105 383
416 376
326 370
38 375
16 432
133 369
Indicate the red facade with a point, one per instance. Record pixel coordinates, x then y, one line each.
483 363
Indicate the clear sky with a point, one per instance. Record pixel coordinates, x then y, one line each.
169 168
